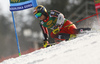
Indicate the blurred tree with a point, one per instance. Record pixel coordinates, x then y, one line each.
4 25
59 5
6 36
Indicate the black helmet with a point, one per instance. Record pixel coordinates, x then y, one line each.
40 9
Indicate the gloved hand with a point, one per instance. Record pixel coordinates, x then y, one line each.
46 44
55 31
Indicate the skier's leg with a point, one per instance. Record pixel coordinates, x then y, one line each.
60 36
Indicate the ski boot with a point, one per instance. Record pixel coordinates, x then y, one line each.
82 30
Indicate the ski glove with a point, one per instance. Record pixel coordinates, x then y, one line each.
46 44
55 31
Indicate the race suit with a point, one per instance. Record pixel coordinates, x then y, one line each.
65 29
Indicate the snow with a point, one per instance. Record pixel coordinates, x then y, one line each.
82 50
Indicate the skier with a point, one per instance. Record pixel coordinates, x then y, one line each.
62 29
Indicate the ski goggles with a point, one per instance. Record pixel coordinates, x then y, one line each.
38 15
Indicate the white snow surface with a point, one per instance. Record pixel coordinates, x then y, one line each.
85 49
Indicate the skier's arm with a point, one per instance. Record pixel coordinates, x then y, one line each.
46 35
60 16
45 32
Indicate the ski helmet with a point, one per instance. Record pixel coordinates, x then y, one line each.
40 9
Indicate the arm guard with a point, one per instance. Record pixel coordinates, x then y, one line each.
60 16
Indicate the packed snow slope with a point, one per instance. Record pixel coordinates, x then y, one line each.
85 49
